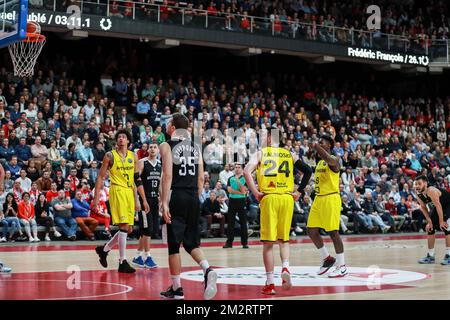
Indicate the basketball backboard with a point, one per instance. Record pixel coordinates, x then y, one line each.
13 20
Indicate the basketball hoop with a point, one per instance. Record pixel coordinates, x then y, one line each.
25 53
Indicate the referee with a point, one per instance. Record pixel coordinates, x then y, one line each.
237 193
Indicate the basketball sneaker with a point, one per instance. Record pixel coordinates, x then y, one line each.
268 289
210 284
427 260
327 264
102 255
173 294
286 284
149 263
138 262
4 269
124 267
338 272
57 234
446 260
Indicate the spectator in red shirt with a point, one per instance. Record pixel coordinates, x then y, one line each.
25 212
74 181
245 22
391 207
164 11
102 216
277 25
143 151
52 193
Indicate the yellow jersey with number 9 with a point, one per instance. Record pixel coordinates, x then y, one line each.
275 173
121 174
326 181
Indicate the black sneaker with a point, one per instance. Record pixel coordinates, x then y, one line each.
124 267
102 255
327 264
245 246
172 294
21 238
227 245
210 284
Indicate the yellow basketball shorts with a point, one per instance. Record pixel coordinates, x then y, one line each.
325 212
121 202
276 216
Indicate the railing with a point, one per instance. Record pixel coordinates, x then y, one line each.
438 50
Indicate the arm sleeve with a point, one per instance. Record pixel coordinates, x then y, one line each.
307 173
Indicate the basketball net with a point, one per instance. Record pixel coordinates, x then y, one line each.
24 53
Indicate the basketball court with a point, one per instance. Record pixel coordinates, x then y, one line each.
380 267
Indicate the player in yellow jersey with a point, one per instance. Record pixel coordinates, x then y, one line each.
123 167
275 174
326 209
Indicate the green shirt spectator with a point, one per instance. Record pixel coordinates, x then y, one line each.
233 184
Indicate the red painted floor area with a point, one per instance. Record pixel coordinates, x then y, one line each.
43 246
143 285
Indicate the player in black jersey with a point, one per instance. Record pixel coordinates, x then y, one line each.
183 174
435 205
150 174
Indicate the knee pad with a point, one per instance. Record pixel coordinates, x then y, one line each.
174 248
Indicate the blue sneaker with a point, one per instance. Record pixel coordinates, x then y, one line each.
427 260
149 263
138 262
446 260
4 269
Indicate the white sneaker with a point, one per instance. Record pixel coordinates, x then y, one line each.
298 229
338 272
31 239
36 239
386 229
250 232
47 238
4 269
286 283
293 234
3 239
57 234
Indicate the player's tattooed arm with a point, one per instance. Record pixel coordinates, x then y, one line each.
426 214
307 173
331 160
139 187
106 164
201 175
166 182
435 194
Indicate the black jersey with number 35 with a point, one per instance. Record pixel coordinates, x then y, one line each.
185 156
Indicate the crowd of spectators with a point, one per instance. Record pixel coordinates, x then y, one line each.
55 131
420 23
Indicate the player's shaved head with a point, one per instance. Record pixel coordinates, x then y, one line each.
180 121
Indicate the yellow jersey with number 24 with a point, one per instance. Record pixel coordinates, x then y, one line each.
275 173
